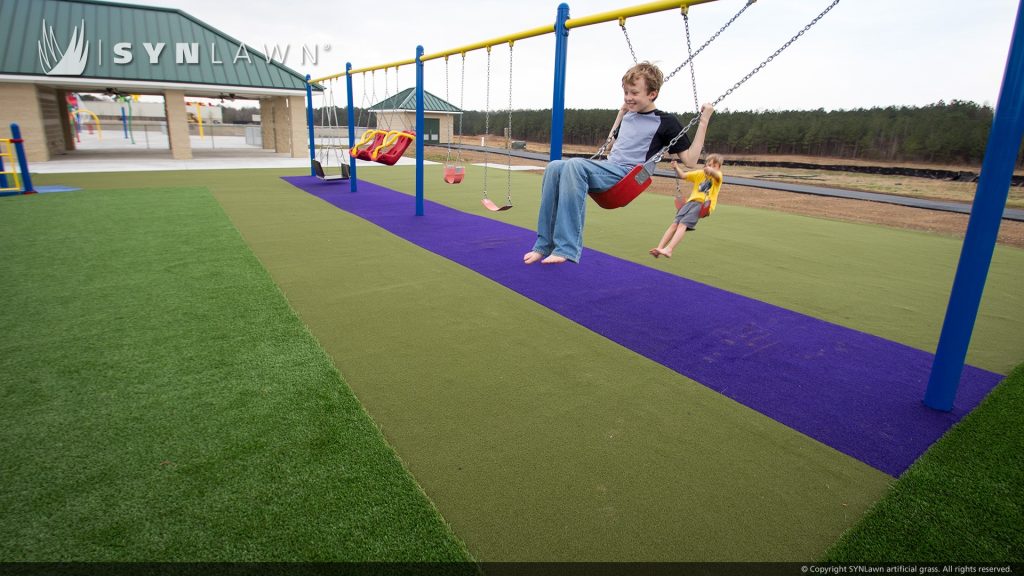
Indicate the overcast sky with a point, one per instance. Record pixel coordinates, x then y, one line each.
864 53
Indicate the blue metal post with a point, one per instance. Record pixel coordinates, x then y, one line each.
309 125
3 177
1004 142
19 146
124 123
419 131
558 100
352 180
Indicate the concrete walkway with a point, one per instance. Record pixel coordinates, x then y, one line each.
141 160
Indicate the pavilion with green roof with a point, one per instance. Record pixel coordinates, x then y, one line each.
399 113
53 48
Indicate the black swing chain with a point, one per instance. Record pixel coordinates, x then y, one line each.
487 118
693 121
508 141
622 24
710 40
448 156
689 52
462 101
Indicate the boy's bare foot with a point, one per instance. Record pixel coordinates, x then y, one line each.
553 260
531 257
663 252
654 252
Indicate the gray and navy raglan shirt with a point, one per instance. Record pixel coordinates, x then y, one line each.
642 134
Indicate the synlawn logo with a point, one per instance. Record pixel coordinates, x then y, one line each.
71 61
68 62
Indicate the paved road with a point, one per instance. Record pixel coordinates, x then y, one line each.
1008 213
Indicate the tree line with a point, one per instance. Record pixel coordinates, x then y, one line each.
943 132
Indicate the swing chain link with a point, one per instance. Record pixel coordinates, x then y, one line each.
508 140
779 51
462 101
622 24
448 155
710 40
487 118
689 51
657 157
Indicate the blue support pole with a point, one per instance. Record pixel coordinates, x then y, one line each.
124 123
352 180
19 147
419 131
309 126
1004 142
558 100
3 177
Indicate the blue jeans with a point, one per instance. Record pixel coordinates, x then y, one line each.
563 203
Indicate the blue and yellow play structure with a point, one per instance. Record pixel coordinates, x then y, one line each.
14 176
986 213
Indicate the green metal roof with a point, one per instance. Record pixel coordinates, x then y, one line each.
406 100
28 48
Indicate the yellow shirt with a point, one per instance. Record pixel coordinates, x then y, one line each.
702 182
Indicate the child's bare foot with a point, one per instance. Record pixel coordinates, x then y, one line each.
553 260
531 257
663 252
654 252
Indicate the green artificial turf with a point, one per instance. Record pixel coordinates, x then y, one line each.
539 440
960 502
161 401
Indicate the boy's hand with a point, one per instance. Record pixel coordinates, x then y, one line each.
706 110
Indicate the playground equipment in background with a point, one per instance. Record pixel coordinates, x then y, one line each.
455 171
74 110
487 202
330 145
384 146
17 180
126 119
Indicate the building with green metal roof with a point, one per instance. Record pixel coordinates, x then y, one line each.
50 48
398 112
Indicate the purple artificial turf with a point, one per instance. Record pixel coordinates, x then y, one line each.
853 391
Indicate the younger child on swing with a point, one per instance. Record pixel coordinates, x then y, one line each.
706 184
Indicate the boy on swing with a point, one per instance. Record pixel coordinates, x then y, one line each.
642 132
706 184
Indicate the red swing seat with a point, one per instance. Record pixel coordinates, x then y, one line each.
399 142
364 148
625 190
453 174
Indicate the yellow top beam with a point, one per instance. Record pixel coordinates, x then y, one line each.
539 31
639 10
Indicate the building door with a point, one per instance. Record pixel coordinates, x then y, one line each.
432 127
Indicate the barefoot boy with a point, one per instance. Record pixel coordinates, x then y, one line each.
642 133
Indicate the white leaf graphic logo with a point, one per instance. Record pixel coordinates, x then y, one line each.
71 61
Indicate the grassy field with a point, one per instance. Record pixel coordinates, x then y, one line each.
161 382
162 402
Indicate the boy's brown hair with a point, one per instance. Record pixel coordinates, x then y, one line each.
715 158
649 73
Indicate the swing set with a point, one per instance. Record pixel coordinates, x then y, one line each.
330 141
386 146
